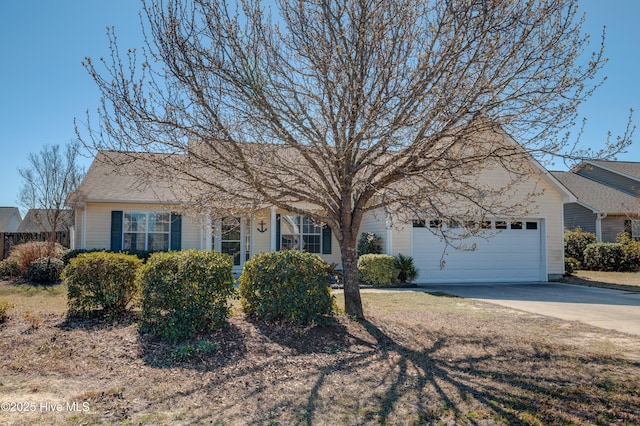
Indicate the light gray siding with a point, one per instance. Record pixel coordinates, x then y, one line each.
611 227
614 180
577 216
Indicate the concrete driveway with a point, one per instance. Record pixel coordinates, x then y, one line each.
612 309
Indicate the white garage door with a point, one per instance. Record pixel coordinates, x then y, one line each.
510 252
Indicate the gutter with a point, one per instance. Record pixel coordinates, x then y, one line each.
599 217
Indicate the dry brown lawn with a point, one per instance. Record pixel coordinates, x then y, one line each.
419 359
628 281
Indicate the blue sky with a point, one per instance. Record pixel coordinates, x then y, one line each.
43 86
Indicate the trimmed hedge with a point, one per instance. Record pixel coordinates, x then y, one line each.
101 280
288 286
377 269
68 255
575 242
185 293
45 270
604 257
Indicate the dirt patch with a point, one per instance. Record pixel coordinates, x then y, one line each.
419 359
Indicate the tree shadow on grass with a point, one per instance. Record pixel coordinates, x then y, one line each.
330 337
99 320
205 352
370 373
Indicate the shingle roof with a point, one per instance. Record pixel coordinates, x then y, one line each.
629 168
6 213
112 177
599 197
37 220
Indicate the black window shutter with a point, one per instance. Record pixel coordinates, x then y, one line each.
176 232
277 232
116 230
326 239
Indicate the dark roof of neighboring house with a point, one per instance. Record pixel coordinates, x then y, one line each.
37 220
628 168
6 214
597 196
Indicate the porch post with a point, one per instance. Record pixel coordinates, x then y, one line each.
272 229
217 235
389 226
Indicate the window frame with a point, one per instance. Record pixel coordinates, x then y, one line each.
146 232
304 228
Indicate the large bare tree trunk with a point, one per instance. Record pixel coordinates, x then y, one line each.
352 300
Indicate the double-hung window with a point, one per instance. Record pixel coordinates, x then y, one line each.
300 233
230 238
146 231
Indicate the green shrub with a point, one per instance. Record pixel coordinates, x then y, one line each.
72 254
377 269
45 270
4 310
407 271
368 243
571 265
604 257
101 281
631 249
575 242
288 286
185 293
9 268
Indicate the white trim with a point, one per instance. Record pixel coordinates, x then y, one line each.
272 233
599 217
389 244
83 234
217 235
208 235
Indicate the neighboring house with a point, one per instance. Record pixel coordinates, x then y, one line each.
10 219
608 198
114 210
38 220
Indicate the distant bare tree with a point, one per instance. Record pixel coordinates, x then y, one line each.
47 182
334 108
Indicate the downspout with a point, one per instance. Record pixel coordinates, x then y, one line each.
599 217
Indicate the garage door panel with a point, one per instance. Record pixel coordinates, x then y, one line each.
508 255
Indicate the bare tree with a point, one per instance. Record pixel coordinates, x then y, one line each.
348 106
49 179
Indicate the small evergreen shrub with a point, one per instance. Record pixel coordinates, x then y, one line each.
45 270
101 281
377 269
185 293
25 254
4 310
368 243
288 286
407 271
575 242
9 268
604 257
631 249
571 265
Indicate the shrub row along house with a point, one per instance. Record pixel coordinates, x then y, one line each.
116 209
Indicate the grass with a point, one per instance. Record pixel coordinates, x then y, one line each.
628 281
418 359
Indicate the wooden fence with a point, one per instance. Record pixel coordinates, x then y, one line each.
10 239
